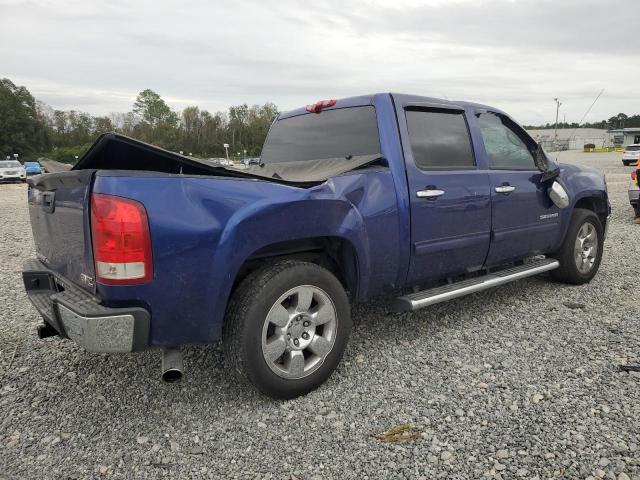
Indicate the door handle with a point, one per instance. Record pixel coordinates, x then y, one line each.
431 194
505 189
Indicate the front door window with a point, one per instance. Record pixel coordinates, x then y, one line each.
505 147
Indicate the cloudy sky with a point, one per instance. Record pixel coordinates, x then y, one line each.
514 54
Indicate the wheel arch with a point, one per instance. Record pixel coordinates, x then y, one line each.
336 254
597 204
594 201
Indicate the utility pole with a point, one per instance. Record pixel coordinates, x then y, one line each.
555 132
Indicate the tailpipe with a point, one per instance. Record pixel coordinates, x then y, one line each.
172 366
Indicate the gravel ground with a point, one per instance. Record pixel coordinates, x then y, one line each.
518 382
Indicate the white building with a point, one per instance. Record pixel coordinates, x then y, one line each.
571 138
625 136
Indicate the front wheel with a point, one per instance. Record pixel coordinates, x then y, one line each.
287 327
581 251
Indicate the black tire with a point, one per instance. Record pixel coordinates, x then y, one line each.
246 314
568 271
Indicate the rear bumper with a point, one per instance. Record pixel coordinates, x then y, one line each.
78 315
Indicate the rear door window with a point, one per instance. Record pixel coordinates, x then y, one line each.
439 139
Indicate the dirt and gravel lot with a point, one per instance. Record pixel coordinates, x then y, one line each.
517 382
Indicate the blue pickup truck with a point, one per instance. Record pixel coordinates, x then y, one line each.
418 200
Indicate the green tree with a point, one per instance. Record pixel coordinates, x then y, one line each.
102 125
22 128
64 134
157 121
151 108
68 154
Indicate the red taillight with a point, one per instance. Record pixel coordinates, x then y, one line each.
121 240
318 107
634 175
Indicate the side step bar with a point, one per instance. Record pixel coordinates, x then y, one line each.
414 301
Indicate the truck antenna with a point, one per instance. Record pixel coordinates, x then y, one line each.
582 119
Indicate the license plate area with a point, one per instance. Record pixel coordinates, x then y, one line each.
39 281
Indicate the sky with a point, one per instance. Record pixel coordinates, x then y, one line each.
517 55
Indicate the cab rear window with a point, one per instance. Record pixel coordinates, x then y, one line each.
338 133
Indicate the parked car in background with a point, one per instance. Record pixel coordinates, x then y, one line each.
12 171
634 193
417 199
631 155
251 161
33 168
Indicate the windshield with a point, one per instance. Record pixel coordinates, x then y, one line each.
633 148
9 164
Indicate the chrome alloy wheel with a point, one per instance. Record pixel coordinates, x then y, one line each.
586 248
299 332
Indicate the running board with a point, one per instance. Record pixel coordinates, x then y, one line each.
414 301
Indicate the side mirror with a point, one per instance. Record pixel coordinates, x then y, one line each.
558 195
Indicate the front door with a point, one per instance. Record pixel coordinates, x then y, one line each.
525 221
449 195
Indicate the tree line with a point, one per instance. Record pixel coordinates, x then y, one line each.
620 120
33 129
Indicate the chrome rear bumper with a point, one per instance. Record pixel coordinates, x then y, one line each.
76 314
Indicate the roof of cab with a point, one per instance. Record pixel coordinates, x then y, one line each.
401 98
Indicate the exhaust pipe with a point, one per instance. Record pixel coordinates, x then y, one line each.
172 366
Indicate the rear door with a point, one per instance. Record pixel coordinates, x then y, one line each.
525 221
59 212
449 195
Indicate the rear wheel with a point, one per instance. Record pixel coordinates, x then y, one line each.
286 328
581 251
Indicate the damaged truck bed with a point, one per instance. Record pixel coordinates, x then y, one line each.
112 151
